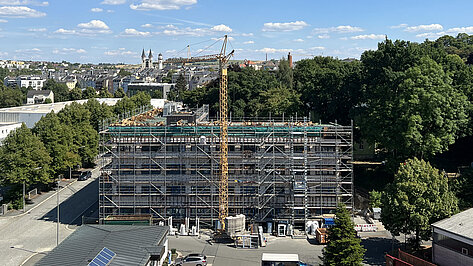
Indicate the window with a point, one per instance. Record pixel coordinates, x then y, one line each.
465 251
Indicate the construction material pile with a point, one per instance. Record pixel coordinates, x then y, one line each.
141 119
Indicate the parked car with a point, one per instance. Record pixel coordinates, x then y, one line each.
193 259
85 175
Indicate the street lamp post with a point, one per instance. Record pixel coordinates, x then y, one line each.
57 207
24 192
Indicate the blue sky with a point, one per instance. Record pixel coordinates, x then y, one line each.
117 30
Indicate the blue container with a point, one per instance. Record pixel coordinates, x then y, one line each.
270 227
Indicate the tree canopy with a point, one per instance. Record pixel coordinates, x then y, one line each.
24 159
419 196
343 247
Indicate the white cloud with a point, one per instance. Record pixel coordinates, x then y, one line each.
338 29
94 24
402 25
323 36
468 30
249 42
298 40
3 21
431 35
221 38
221 28
64 31
451 31
120 51
29 51
273 50
172 30
170 51
247 34
431 27
90 28
135 33
147 25
20 12
3 53
162 4
285 26
64 51
113 2
96 9
369 37
23 2
37 29
296 51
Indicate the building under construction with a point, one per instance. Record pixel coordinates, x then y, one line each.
280 170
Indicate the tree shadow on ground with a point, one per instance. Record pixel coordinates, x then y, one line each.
82 203
376 248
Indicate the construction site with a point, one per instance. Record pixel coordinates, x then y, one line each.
166 163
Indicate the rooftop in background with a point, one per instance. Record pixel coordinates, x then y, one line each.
56 107
460 224
133 245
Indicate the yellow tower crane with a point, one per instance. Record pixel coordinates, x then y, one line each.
222 59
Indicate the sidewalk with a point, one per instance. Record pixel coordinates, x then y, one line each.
40 198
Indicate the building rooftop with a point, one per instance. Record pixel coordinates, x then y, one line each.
133 245
460 224
31 93
56 107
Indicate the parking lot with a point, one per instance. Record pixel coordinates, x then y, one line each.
227 254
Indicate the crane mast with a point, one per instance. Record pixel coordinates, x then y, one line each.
222 59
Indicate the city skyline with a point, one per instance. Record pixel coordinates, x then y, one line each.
112 31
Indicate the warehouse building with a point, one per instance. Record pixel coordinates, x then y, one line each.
282 171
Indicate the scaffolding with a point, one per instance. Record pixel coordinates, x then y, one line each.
279 170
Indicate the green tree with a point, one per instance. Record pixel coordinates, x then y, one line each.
119 93
343 248
104 93
75 94
98 112
418 197
60 90
89 93
24 159
85 137
329 88
123 106
10 97
375 199
285 74
463 188
58 140
280 100
417 113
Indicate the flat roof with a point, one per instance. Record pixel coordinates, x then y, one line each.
56 107
280 257
460 224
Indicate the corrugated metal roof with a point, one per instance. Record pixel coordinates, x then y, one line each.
130 243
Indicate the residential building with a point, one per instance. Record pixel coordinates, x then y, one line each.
151 87
40 96
125 244
35 82
453 240
6 128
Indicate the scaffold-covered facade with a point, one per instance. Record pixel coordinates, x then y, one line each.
279 170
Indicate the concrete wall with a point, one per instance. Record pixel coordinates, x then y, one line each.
446 257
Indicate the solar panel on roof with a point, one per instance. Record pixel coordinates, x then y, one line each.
103 258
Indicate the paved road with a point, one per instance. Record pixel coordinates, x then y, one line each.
227 254
35 232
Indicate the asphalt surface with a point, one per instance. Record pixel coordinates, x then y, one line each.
33 234
227 254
